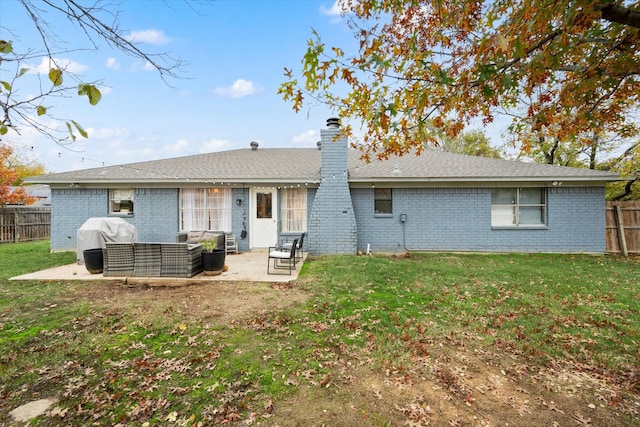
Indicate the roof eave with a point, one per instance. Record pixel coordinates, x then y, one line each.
483 181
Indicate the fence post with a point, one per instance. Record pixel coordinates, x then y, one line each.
16 233
621 236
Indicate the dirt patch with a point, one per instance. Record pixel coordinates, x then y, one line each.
211 301
455 387
451 384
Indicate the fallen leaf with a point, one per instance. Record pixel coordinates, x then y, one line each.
269 407
581 420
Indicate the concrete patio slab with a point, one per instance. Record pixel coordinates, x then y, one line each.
247 266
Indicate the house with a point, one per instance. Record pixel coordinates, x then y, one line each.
437 201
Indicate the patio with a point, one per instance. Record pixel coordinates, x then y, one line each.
243 267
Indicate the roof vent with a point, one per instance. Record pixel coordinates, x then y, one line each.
254 145
333 123
319 144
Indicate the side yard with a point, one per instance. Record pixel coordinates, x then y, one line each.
419 339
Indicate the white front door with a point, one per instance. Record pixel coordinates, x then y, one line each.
264 217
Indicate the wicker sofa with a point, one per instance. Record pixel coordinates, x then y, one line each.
152 259
196 236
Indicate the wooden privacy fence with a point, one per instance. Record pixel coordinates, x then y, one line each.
623 227
21 224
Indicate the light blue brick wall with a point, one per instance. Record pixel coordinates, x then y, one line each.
70 208
155 214
240 217
331 222
459 219
441 219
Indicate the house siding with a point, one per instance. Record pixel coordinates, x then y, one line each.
239 219
438 219
70 208
155 214
459 219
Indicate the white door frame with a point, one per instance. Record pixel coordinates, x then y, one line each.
264 231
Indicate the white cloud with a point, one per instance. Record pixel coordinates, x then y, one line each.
111 134
139 66
62 63
339 7
238 89
179 147
213 145
308 138
112 63
155 37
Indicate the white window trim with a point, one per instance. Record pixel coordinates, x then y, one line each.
514 208
117 196
382 214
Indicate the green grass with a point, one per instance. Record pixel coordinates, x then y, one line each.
108 364
582 307
23 258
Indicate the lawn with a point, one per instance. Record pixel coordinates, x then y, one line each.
418 339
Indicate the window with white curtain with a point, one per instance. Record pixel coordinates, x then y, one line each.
121 201
513 207
205 209
293 210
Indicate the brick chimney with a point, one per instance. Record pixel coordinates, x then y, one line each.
332 222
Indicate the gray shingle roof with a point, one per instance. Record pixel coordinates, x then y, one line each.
302 165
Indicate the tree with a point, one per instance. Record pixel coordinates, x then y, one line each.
8 177
24 166
452 62
471 143
98 22
626 164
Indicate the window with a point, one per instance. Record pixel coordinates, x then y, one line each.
382 203
121 201
293 210
263 206
512 207
205 209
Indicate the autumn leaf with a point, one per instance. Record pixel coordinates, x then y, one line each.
5 46
55 76
91 91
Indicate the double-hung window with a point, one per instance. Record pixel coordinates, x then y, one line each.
515 207
205 209
293 210
121 201
382 201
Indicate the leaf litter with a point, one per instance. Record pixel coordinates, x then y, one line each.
453 380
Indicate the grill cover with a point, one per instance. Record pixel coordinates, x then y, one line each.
95 232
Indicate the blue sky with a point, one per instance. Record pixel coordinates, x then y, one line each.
236 51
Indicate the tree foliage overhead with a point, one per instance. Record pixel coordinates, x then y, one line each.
97 23
447 63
